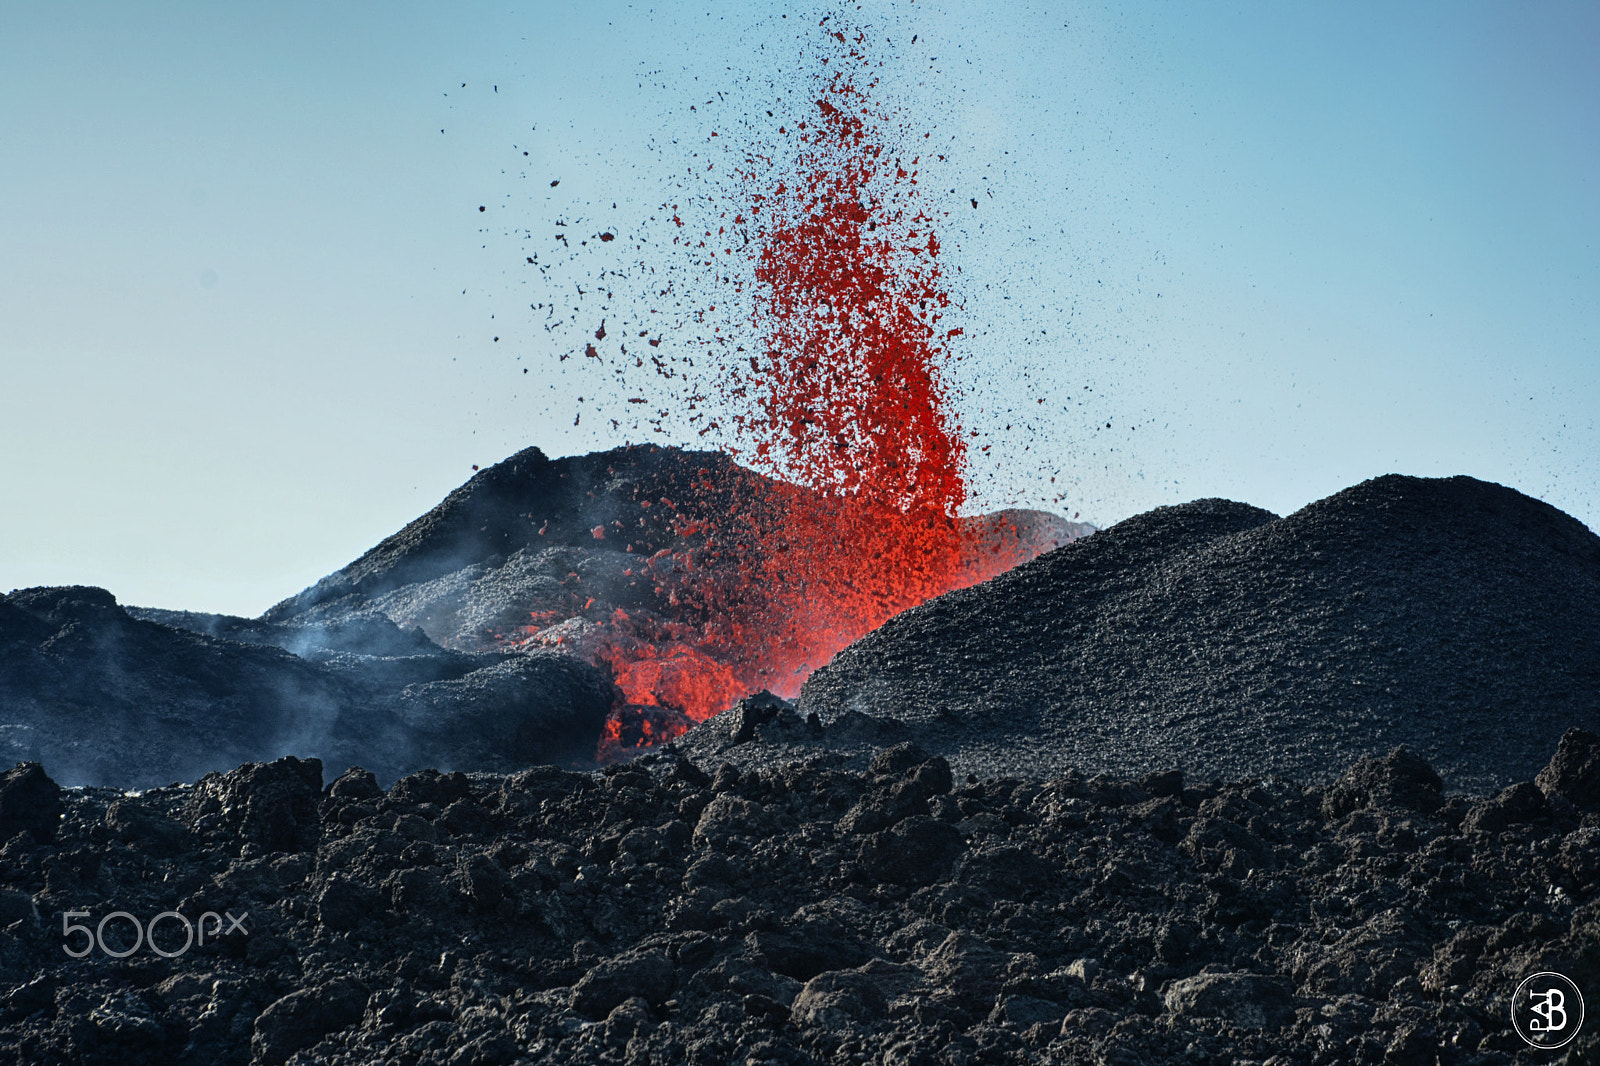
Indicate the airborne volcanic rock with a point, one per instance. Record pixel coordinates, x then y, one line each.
1456 617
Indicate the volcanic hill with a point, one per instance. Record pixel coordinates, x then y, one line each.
1456 617
537 538
132 698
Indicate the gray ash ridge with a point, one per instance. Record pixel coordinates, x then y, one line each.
668 913
1458 618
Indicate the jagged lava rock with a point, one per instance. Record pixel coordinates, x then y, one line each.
1574 772
555 917
29 802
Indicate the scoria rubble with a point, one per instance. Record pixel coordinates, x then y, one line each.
666 912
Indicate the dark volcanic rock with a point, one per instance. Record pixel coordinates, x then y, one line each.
302 1018
551 917
103 697
646 974
1458 618
29 802
539 706
273 805
1574 773
1247 1000
1400 780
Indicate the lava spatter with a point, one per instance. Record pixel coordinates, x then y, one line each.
843 403
829 380
845 397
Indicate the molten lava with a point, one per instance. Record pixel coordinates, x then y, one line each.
846 398
843 404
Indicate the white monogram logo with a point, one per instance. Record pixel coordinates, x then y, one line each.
1547 1010
1551 1005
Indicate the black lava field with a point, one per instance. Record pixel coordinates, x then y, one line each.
658 913
1208 786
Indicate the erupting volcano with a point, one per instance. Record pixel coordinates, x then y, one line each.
834 500
842 401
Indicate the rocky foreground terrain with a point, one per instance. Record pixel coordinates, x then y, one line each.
663 912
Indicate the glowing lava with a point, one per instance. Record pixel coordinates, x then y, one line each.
843 403
845 398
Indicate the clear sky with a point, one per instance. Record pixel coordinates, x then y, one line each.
248 302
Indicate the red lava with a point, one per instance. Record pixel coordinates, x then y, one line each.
842 403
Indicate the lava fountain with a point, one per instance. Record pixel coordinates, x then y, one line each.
841 401
845 397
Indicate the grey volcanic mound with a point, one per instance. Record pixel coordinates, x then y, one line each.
1453 616
107 698
515 551
519 538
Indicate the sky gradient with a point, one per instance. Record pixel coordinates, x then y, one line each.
248 301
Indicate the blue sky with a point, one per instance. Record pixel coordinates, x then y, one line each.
246 291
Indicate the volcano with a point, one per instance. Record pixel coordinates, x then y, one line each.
694 580
560 610
959 844
548 611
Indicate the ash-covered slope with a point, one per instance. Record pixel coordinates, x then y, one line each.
509 541
1456 617
534 542
359 634
107 698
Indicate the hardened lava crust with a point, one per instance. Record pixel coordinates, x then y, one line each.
662 912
